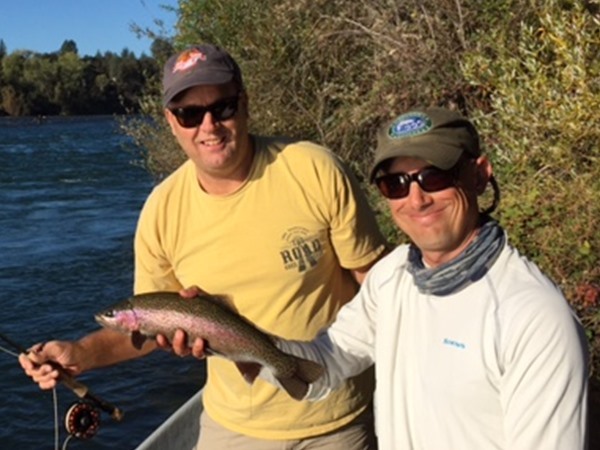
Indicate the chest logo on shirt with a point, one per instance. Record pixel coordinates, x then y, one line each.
301 250
453 343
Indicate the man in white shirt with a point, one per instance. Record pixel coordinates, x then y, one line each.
474 348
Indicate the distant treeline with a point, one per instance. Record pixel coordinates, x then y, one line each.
63 83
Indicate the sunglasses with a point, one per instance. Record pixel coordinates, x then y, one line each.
430 179
192 116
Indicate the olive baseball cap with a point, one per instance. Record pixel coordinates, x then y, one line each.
436 135
204 64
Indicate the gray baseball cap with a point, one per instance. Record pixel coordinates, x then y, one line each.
436 135
204 64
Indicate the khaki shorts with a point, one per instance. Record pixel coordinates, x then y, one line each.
357 435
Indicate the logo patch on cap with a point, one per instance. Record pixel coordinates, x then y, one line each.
410 124
188 59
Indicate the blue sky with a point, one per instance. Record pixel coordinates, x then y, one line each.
95 25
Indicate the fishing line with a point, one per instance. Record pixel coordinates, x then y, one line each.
55 407
5 350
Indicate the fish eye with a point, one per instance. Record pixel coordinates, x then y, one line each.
110 313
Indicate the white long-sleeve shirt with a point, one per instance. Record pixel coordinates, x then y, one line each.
500 365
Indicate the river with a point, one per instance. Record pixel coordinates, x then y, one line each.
70 194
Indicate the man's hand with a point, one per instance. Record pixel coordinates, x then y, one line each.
43 360
180 346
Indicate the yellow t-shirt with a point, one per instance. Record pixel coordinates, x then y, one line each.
276 248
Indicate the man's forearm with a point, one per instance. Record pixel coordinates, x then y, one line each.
107 347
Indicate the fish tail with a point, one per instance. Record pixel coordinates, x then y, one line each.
309 371
306 372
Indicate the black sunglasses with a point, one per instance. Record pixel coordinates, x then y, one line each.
192 116
430 179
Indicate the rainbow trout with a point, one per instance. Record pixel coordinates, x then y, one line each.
224 332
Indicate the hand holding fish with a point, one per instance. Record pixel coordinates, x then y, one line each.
179 344
206 324
200 325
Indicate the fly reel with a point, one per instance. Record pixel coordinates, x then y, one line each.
82 420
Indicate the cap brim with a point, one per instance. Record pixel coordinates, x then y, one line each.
187 83
439 154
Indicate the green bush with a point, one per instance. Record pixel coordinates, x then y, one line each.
542 131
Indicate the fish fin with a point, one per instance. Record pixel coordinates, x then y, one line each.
249 370
137 339
294 386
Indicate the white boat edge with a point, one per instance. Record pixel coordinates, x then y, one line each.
181 429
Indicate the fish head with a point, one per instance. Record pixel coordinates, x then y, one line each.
121 317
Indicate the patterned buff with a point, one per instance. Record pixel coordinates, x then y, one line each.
470 266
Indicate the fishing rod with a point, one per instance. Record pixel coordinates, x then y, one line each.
82 419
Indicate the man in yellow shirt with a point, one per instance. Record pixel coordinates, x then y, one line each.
277 225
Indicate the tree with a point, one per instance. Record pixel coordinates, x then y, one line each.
14 101
161 49
70 91
40 73
68 46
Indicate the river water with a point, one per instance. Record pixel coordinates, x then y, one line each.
70 194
